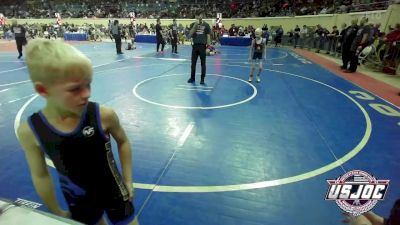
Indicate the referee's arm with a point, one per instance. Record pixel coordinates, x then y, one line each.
193 29
208 34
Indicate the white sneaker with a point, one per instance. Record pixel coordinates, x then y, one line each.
258 79
250 79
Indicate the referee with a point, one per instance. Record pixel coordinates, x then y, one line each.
200 33
116 32
19 33
159 36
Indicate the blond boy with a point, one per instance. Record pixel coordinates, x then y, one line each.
257 54
75 134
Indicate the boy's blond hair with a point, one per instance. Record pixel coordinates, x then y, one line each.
258 31
49 61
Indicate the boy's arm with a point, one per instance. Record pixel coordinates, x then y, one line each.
170 33
265 50
208 34
251 49
113 126
193 29
41 178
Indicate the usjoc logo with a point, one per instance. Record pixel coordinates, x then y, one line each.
88 131
356 192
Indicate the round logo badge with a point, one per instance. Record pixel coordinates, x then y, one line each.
356 192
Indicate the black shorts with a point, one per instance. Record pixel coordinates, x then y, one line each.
21 40
257 55
89 209
278 39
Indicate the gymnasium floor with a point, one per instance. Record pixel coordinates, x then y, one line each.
229 152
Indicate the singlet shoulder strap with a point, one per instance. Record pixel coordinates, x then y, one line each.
41 130
94 118
91 113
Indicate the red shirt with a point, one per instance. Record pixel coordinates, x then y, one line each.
393 36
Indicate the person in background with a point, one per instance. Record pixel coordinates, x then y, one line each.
278 36
159 36
341 37
116 33
211 50
304 37
348 38
332 38
173 35
200 32
296 35
265 34
257 54
370 218
359 43
19 34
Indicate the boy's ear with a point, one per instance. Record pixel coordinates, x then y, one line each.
41 89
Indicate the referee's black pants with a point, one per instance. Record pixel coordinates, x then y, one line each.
160 40
198 50
118 43
346 56
20 42
174 43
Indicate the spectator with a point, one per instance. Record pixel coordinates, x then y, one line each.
348 38
359 43
279 35
332 38
296 35
370 218
304 34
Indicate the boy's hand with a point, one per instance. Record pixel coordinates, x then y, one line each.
65 214
131 193
355 220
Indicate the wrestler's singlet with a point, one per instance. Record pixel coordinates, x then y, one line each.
83 157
